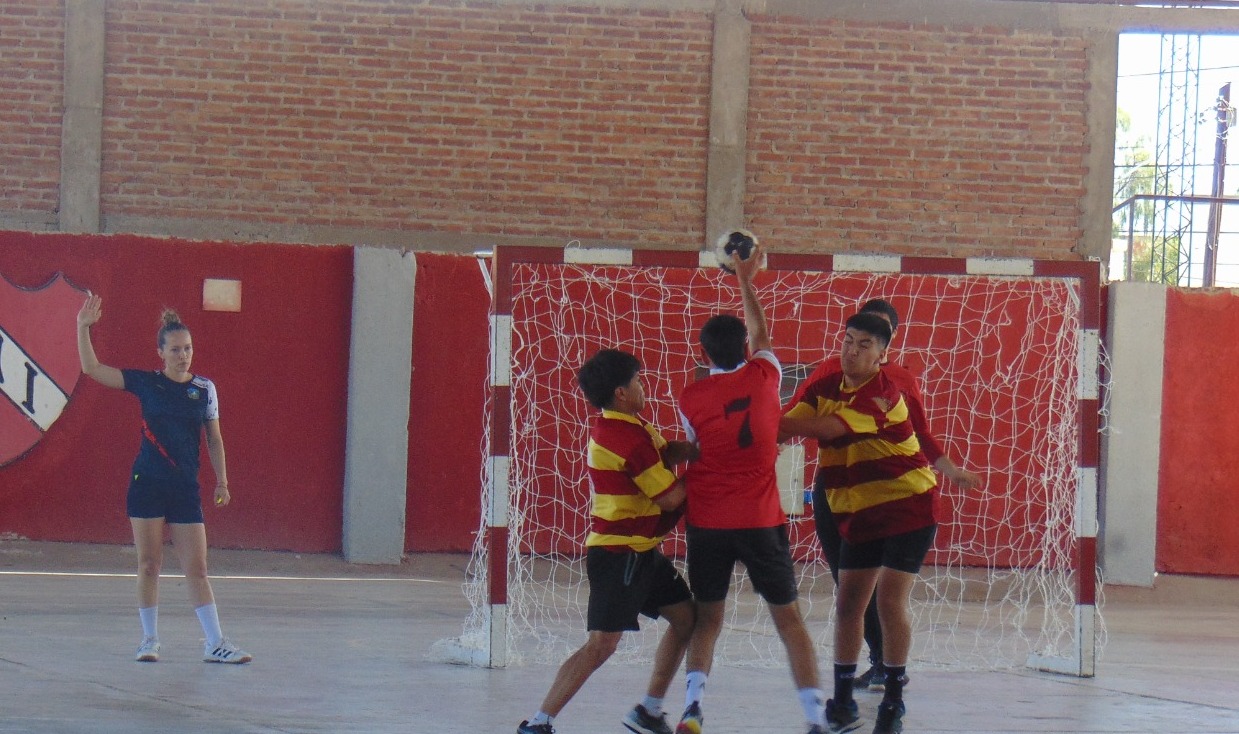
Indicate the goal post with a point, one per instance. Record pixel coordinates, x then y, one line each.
1008 352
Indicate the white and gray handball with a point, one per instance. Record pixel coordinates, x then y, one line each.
738 241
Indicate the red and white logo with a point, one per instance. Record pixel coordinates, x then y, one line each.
39 365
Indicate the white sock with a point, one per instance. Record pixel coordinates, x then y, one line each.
813 701
208 616
696 682
150 621
541 718
653 706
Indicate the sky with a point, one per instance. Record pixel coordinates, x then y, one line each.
1140 60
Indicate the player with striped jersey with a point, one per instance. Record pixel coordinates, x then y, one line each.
636 499
908 382
880 492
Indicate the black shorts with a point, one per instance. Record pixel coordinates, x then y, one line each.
173 498
903 552
765 553
623 585
827 531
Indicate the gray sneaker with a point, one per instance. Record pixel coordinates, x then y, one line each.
640 721
873 679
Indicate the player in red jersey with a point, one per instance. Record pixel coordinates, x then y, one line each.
733 500
874 678
636 500
879 488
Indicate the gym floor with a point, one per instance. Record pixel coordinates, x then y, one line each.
344 648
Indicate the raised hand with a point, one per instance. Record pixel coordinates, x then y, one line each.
91 311
748 267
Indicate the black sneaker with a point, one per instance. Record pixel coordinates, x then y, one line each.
890 718
643 722
842 718
873 679
527 728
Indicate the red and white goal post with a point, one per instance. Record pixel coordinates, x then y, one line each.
1008 351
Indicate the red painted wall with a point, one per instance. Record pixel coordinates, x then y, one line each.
1199 478
451 346
281 366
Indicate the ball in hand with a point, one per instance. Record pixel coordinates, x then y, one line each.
739 242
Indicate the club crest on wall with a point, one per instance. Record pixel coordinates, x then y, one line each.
39 365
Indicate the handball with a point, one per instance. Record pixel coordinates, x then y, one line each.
739 242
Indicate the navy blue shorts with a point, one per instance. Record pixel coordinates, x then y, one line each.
173 498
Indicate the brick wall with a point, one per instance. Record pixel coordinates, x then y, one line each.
570 122
561 122
916 139
31 83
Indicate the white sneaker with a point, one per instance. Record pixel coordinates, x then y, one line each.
148 651
225 652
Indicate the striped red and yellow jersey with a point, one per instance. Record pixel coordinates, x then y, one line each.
877 480
626 473
908 381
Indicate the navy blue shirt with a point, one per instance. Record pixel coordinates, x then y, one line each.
173 414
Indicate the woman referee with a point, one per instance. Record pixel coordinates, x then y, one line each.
163 488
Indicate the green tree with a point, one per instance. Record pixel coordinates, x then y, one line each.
1153 259
1134 174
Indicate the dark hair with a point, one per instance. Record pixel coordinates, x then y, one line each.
882 306
872 324
169 322
723 337
603 373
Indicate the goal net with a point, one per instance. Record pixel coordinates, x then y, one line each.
1007 353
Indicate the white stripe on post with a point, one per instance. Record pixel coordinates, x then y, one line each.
999 266
501 359
849 263
597 256
1089 357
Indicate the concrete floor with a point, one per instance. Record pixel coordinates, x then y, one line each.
341 648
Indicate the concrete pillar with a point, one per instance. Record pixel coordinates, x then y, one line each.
81 132
729 109
1103 70
377 443
1131 447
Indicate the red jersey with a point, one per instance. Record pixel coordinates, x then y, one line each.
877 481
734 418
908 383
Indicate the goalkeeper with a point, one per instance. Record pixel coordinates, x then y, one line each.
636 500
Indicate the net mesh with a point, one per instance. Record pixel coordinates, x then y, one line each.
998 361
